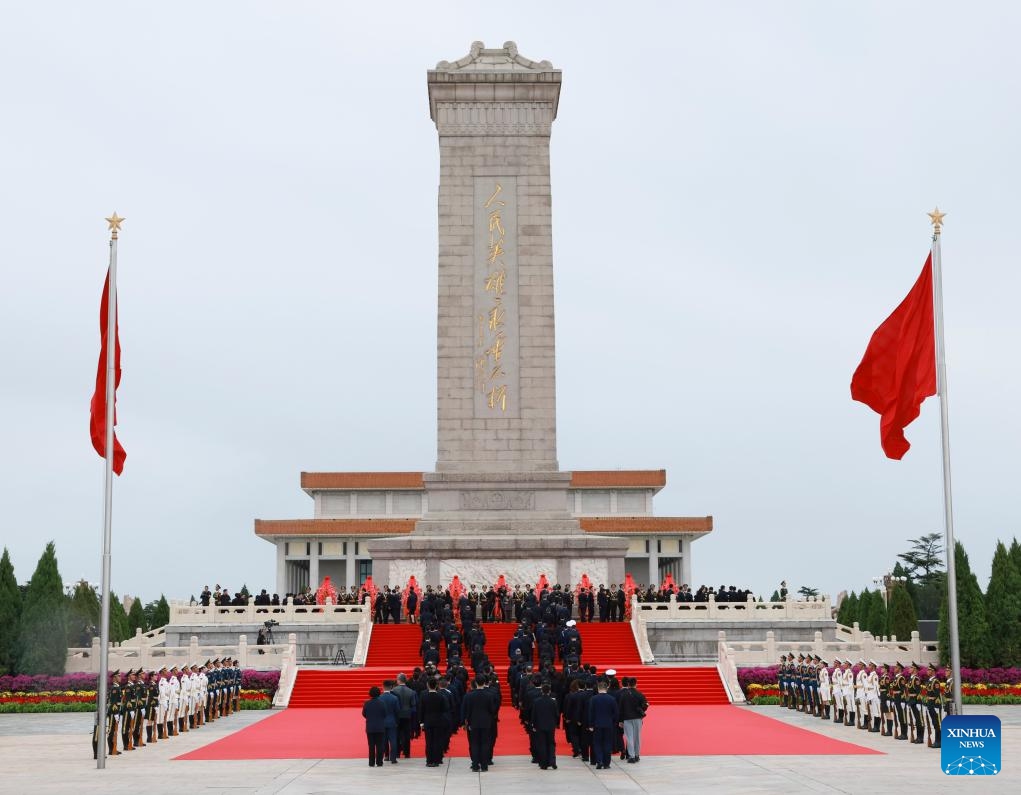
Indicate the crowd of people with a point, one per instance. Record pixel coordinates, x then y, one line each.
144 707
903 702
547 683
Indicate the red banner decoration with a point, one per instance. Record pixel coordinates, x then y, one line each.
542 585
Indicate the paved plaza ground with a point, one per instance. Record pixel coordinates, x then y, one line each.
44 754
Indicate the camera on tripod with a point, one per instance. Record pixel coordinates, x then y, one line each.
270 624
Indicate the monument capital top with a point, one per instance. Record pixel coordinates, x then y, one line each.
503 59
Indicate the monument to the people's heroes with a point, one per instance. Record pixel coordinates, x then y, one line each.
497 502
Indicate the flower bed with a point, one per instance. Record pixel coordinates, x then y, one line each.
978 685
77 692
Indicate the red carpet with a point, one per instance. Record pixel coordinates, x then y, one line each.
394 648
668 731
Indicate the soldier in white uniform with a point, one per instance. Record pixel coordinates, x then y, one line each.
860 698
184 704
193 696
837 683
162 705
174 684
872 695
847 677
824 689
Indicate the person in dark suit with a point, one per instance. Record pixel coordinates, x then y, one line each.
393 602
374 712
603 600
393 708
432 717
621 603
603 714
545 717
478 711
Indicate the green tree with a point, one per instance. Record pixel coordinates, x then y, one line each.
119 630
924 559
807 592
161 615
82 615
10 616
1003 609
864 605
972 625
136 618
43 633
775 597
848 612
876 622
902 621
1015 554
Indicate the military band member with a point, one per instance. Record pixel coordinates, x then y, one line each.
825 690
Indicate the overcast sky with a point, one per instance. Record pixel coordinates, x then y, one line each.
739 200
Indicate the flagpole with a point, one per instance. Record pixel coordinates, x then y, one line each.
948 508
111 385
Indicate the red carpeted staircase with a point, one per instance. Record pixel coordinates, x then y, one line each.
394 649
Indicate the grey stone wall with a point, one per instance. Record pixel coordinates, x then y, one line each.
698 640
313 644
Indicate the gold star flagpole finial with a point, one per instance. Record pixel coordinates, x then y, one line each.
115 222
936 218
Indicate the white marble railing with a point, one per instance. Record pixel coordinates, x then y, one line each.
364 638
861 646
728 672
288 673
125 655
814 609
640 631
191 615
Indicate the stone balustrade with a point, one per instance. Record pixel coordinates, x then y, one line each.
851 643
813 609
129 655
186 614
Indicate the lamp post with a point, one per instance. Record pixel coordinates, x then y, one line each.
888 581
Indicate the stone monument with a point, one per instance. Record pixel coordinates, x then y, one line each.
497 502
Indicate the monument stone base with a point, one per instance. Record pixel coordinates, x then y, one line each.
480 560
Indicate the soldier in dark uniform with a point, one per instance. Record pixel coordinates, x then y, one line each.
885 707
129 711
603 600
898 689
914 697
113 711
933 706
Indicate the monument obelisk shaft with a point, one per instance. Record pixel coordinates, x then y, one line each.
497 502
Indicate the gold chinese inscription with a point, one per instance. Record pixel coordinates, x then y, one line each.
492 335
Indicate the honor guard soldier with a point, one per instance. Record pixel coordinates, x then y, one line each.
860 702
914 698
872 697
885 703
173 725
933 708
129 711
113 710
141 709
237 685
162 704
847 676
898 688
781 679
825 690
837 685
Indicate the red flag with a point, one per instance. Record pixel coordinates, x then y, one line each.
97 419
898 370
